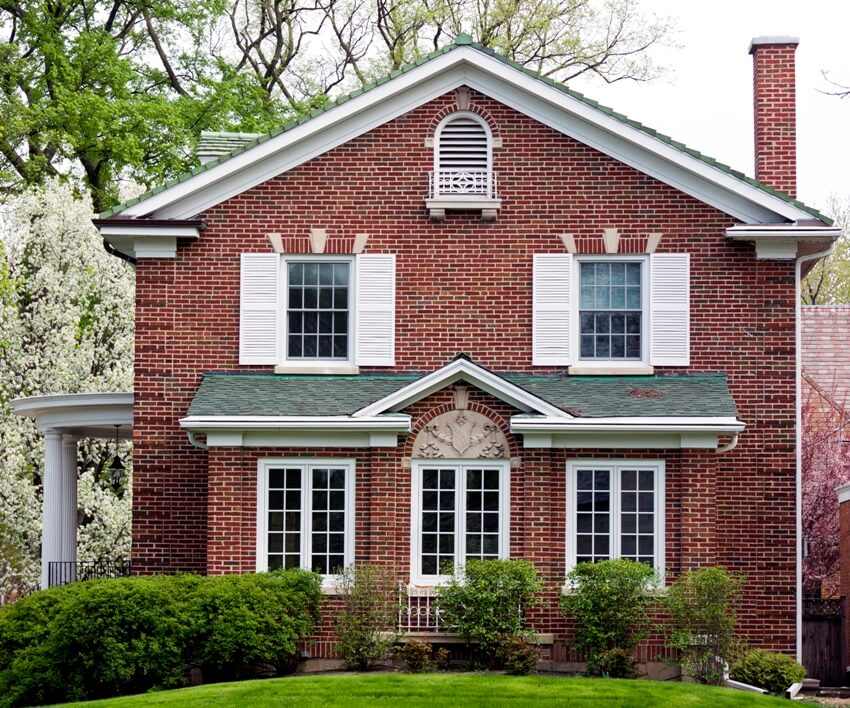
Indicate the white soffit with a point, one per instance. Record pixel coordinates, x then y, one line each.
492 77
462 370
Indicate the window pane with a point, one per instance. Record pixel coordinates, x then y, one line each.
318 305
284 518
437 540
609 304
327 498
592 540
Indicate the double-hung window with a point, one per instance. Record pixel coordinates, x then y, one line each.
460 512
615 510
611 308
305 514
318 310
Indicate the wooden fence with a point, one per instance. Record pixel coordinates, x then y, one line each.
823 630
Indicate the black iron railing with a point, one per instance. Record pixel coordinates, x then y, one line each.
64 572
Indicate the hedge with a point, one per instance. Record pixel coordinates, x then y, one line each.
108 637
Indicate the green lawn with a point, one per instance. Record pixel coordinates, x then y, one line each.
445 690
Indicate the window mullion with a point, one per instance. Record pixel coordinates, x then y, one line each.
616 544
306 516
460 517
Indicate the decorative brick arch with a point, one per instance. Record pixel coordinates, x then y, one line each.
420 423
468 105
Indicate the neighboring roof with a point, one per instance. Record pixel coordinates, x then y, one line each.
826 360
465 44
699 395
213 145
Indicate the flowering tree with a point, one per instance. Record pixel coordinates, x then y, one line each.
826 465
66 326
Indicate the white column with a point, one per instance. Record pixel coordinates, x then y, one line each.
69 503
51 531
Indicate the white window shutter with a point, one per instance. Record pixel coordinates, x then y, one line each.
669 309
551 310
374 312
259 313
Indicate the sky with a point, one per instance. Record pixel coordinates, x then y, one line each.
705 98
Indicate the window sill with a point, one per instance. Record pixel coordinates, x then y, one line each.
596 370
325 367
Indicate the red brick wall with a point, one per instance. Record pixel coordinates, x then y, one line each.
464 285
775 116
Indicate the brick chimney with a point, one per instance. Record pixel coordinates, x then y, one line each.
774 103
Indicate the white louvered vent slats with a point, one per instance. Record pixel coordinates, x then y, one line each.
551 326
670 320
463 146
258 305
375 310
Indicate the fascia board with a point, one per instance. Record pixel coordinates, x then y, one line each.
324 423
519 424
142 230
783 231
500 81
475 375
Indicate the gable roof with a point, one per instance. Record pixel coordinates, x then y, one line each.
587 397
471 64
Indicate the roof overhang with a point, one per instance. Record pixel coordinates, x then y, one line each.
462 370
148 238
299 431
784 241
98 415
631 432
538 98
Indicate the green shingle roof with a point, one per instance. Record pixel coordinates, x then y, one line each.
465 40
704 395
213 145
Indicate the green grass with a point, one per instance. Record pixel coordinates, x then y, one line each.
445 690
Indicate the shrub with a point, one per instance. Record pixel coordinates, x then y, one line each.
702 606
489 599
106 637
613 663
609 602
517 655
248 624
771 671
420 657
367 627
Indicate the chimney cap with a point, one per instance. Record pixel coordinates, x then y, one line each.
774 40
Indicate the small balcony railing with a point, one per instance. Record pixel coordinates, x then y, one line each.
418 611
453 183
64 572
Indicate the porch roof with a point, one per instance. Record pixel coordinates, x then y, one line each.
262 395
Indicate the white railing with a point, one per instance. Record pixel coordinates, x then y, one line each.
480 183
418 611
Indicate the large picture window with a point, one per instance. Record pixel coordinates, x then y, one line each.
460 512
615 510
305 515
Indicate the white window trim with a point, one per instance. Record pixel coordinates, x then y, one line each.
658 466
624 366
306 464
416 576
317 366
463 114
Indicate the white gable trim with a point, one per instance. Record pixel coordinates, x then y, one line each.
471 67
471 373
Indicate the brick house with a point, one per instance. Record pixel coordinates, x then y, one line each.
467 312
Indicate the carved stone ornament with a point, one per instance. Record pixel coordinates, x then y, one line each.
461 434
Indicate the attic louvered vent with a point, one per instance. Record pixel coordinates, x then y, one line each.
463 178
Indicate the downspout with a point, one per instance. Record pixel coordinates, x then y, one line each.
728 447
195 442
798 314
112 251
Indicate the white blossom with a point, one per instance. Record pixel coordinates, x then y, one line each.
66 326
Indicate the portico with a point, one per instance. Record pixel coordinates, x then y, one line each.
65 419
